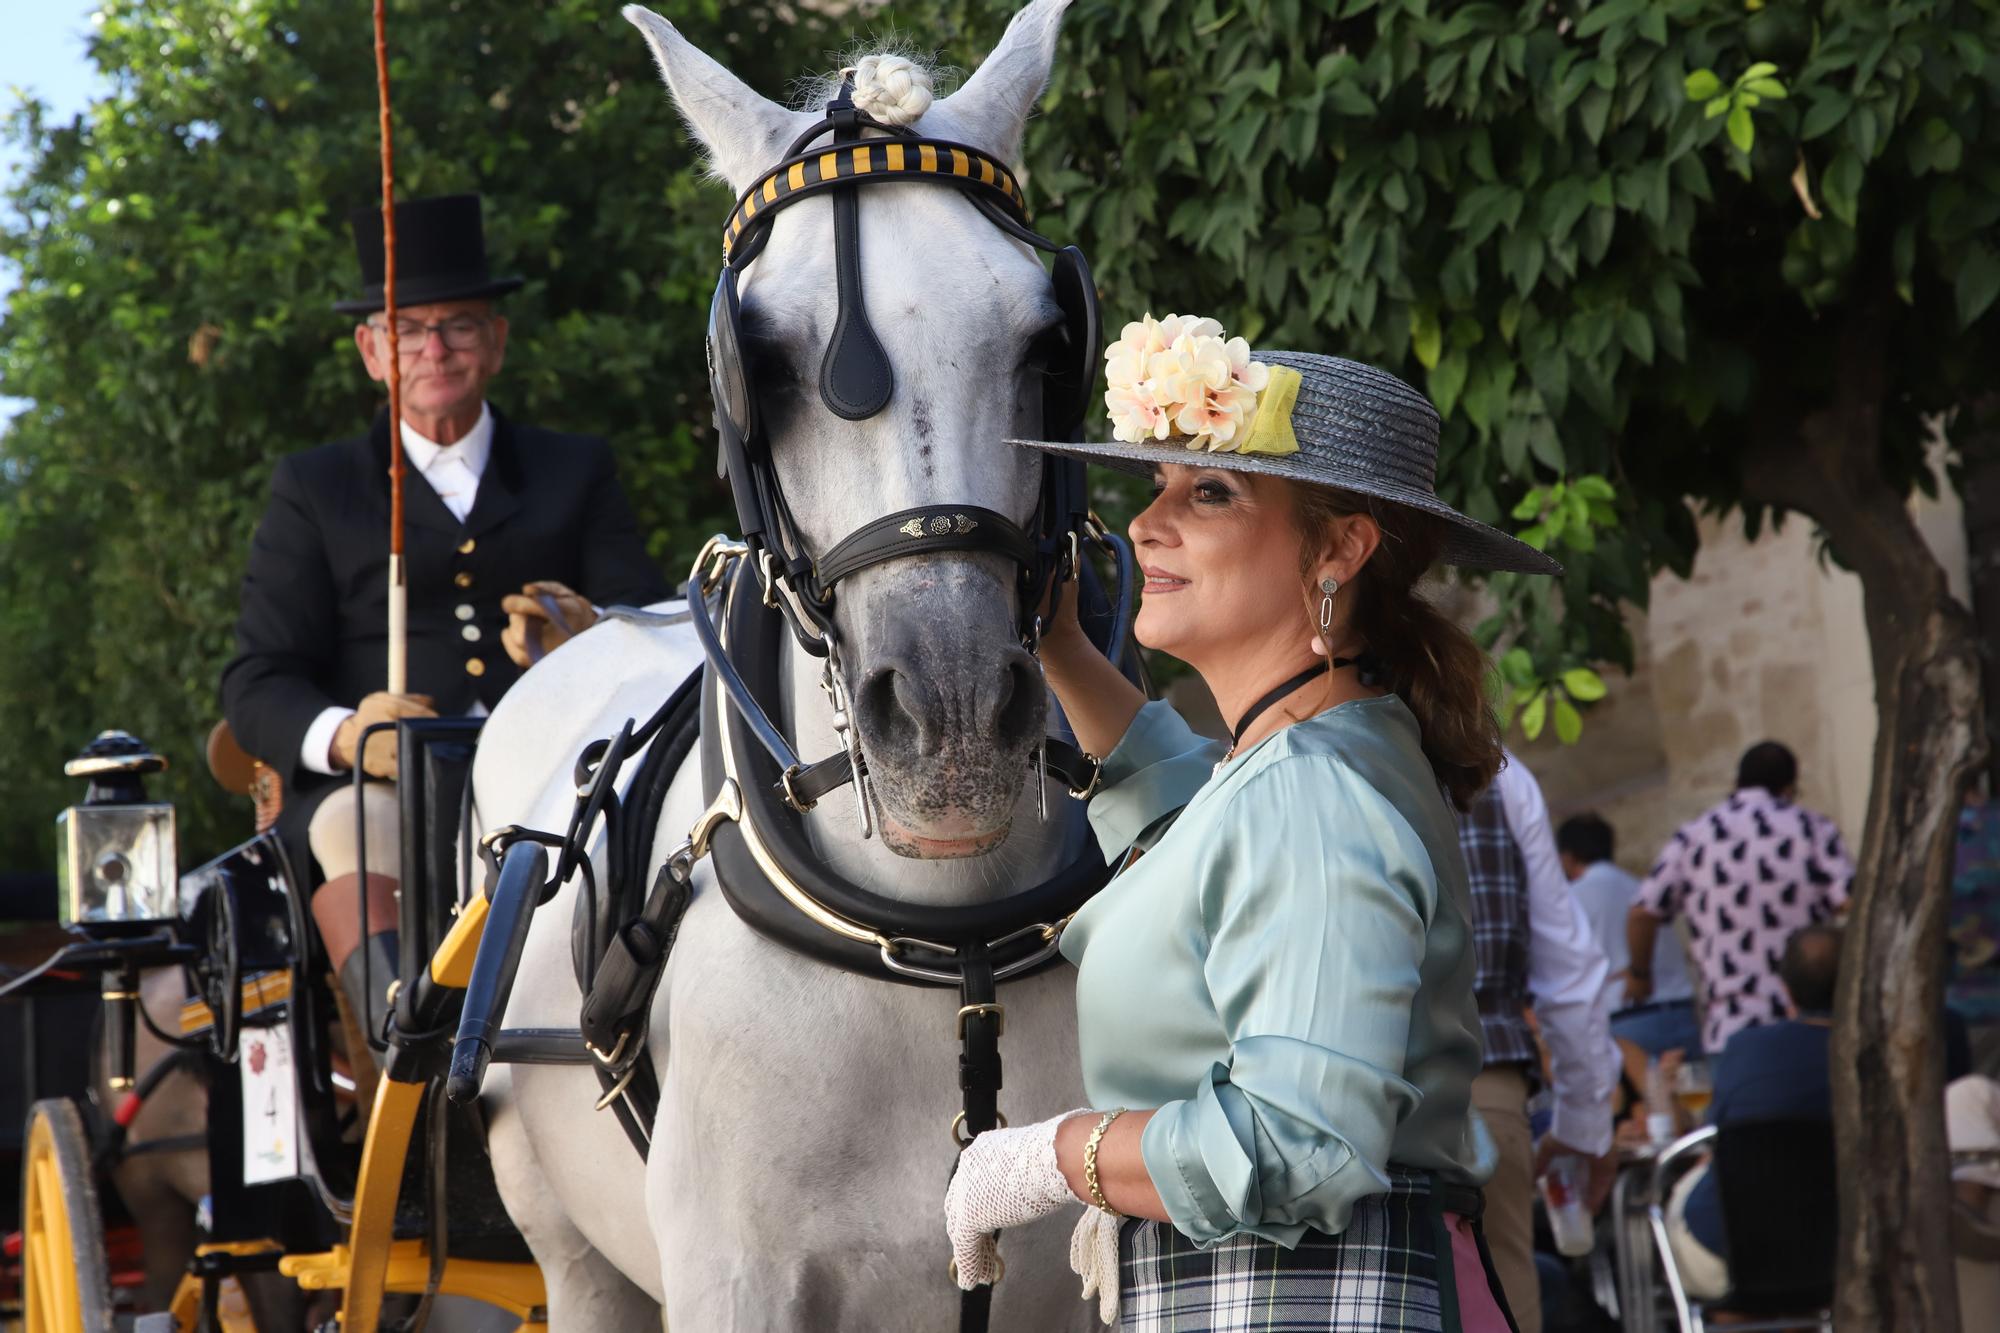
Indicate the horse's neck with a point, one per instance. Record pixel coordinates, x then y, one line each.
1034 850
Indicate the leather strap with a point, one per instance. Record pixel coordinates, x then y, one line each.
855 377
980 1021
922 530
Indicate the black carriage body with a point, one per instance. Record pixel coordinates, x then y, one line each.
255 899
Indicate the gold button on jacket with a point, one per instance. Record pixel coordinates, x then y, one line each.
475 667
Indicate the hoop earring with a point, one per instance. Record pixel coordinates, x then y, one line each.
1327 587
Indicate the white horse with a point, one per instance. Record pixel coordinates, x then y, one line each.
802 1146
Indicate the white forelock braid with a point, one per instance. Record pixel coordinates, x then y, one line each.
893 89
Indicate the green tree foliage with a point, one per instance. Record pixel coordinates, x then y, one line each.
178 249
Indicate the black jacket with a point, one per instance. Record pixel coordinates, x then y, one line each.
313 632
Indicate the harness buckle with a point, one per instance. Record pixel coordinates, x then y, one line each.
958 1122
998 1011
792 797
768 579
609 1059
612 1093
712 562
727 807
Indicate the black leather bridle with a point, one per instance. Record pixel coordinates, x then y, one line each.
856 379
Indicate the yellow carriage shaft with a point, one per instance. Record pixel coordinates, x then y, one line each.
260 992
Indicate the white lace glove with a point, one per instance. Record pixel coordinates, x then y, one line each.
1093 1256
1004 1178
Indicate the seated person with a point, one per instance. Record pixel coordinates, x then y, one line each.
499 518
1666 1021
1773 1071
1972 1129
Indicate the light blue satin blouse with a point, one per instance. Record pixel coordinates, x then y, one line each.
1285 973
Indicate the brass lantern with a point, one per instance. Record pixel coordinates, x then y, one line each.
117 859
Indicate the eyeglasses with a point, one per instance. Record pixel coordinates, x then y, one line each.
461 333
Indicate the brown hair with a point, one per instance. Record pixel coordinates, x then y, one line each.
1432 664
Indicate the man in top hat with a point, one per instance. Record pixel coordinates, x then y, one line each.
502 521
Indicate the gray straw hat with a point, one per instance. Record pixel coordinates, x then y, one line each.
1359 429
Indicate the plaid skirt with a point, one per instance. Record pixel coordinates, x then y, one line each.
1390 1269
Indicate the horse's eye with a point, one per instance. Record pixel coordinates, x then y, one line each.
769 367
1043 350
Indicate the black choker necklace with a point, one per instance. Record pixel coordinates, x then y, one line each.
1369 671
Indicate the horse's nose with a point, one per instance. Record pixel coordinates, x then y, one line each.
919 701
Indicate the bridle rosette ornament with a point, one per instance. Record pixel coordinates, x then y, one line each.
1178 380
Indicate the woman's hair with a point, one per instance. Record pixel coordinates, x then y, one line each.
1432 664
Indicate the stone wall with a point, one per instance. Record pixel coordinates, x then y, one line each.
1765 641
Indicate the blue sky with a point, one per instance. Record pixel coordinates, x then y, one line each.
44 57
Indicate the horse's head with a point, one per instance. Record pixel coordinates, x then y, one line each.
948 704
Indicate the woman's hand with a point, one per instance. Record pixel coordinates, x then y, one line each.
1099 702
1005 1177
1058 614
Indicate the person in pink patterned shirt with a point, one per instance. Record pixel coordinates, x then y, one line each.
1747 873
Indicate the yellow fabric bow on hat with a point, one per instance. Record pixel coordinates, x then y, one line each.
1271 428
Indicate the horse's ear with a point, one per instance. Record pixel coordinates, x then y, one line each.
743 131
992 107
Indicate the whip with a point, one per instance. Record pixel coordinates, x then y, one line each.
398 585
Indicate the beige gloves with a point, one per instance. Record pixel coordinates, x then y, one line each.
541 617
1093 1256
375 709
1005 1177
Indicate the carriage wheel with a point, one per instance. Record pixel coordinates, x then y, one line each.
65 1281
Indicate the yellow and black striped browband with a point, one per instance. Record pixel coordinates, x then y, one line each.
875 160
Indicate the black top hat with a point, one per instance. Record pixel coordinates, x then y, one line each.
440 254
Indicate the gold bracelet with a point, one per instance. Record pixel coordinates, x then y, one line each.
1090 1161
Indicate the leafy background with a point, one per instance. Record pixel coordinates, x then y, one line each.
1533 211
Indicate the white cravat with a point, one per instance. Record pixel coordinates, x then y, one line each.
453 471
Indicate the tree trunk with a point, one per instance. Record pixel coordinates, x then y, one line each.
1976 433
1895 1265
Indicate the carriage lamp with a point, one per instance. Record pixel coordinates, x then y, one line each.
116 865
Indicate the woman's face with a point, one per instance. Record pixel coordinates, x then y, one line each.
1220 554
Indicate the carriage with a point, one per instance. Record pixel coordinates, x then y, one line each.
309 1177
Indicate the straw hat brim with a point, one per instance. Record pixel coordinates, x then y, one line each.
1468 543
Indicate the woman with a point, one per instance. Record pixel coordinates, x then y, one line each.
1275 994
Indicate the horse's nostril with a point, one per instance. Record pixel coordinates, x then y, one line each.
1019 699
892 710
901 708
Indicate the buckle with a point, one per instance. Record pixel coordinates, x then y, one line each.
712 562
998 1011
792 797
1089 789
959 1120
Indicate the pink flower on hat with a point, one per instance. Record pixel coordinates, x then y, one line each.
1180 378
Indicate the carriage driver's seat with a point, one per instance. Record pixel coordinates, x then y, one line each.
241 773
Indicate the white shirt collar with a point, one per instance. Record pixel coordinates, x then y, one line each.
472 451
